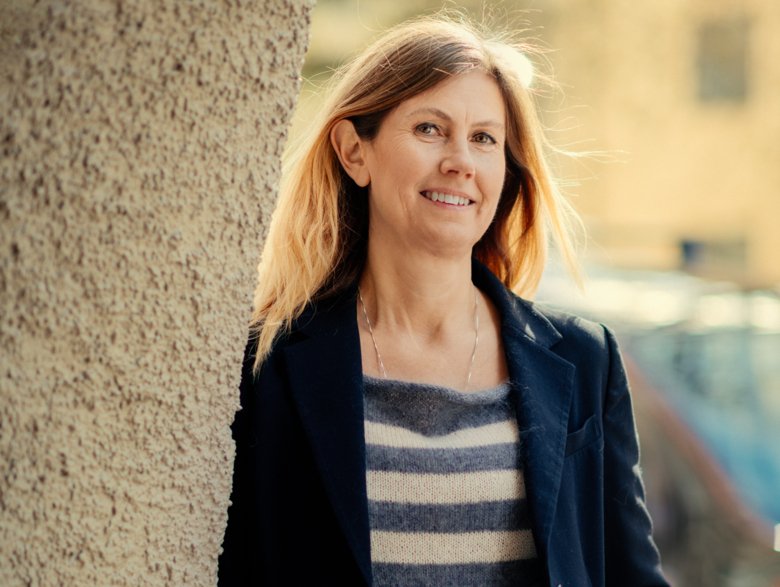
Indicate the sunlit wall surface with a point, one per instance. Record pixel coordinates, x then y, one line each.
674 109
684 96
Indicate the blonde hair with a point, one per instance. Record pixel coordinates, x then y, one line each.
316 244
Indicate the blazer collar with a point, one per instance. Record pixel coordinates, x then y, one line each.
326 378
518 316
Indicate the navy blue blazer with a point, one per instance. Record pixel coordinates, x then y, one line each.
299 513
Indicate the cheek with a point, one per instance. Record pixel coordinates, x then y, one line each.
397 165
494 179
409 160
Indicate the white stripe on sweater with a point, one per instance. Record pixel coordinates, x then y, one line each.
422 548
444 488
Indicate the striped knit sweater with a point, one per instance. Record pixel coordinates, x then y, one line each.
445 486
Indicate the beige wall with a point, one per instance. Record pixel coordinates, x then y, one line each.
140 145
681 168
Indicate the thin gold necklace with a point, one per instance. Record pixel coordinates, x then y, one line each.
381 363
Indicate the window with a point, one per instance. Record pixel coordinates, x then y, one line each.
723 61
717 257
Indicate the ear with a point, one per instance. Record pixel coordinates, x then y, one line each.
350 150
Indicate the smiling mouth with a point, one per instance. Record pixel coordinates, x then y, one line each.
446 198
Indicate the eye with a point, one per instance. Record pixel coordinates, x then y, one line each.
427 128
484 138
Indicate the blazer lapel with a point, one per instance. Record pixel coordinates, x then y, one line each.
326 379
543 384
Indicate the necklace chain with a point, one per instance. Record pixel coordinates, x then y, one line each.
371 332
381 363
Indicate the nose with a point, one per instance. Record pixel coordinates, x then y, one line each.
457 158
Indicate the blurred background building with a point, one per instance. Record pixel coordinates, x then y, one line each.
686 96
674 108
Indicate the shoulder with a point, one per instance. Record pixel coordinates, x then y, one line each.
573 329
589 346
566 334
542 324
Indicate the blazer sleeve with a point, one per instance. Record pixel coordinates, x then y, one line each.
234 561
631 555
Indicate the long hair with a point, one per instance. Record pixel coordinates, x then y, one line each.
317 240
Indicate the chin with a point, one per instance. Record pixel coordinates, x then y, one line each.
451 248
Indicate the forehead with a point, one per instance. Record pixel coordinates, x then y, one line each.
475 94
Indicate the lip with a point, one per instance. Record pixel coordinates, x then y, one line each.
448 192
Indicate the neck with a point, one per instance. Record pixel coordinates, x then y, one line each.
420 295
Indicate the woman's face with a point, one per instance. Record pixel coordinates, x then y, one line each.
436 167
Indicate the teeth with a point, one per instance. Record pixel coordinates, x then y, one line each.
447 198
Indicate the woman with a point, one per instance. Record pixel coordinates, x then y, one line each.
406 419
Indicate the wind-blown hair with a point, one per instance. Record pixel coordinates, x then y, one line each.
317 240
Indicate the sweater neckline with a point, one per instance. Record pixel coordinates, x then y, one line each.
481 396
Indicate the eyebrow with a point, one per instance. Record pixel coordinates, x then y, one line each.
443 115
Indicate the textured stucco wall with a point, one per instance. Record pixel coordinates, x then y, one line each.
140 145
